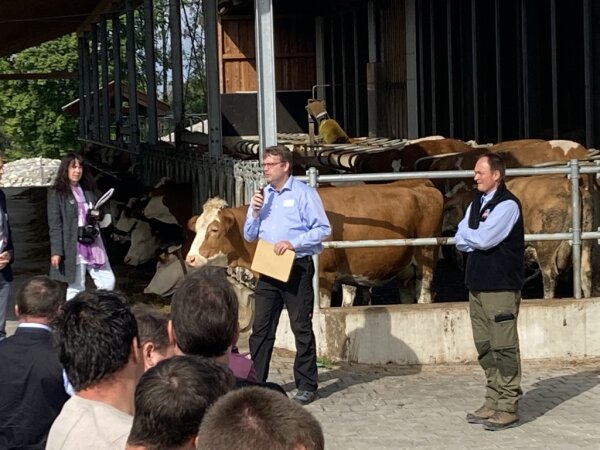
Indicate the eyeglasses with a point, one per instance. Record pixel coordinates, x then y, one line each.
269 165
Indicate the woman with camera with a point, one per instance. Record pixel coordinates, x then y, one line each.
75 242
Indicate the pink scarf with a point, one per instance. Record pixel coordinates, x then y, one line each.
93 254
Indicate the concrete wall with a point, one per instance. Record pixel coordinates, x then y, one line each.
441 333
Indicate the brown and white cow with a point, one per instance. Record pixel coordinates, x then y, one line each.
404 209
546 205
406 158
518 153
157 221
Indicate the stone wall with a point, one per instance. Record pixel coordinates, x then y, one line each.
29 172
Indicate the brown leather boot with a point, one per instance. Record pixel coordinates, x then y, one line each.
501 420
480 415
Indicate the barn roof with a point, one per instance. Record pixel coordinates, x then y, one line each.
27 23
142 99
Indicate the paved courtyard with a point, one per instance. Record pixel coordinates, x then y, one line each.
392 407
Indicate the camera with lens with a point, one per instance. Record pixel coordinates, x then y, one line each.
88 233
94 216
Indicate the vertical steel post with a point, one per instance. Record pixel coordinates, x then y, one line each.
134 131
312 174
95 83
356 74
450 67
525 70
105 129
82 94
474 70
553 50
498 70
265 71
87 90
117 72
587 74
432 76
576 227
215 132
152 118
178 106
372 73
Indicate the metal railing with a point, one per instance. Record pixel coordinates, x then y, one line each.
236 180
573 169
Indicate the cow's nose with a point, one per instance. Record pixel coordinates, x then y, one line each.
191 260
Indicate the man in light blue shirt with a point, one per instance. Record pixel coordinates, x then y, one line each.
290 215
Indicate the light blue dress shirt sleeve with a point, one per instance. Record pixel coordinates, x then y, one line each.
491 232
251 226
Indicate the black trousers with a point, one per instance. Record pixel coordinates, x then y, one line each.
297 296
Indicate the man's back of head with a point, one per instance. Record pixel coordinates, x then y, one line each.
94 336
257 419
39 298
171 400
204 313
32 390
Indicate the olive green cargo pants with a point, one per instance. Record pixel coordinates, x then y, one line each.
494 321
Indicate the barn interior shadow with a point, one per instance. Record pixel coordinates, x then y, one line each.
547 394
374 340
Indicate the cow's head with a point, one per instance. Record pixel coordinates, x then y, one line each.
169 273
143 244
210 227
156 209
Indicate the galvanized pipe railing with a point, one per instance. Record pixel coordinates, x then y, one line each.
572 169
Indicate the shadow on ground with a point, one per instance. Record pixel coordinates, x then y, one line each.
547 394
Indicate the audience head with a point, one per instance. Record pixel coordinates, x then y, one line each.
256 419
171 399
152 332
204 313
96 338
39 297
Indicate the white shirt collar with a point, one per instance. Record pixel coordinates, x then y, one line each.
40 326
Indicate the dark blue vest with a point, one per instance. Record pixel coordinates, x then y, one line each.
499 268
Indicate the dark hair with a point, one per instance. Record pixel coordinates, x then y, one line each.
62 183
204 311
284 153
40 296
256 419
495 162
152 325
93 336
172 398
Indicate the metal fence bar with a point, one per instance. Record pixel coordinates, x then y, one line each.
237 180
572 168
449 240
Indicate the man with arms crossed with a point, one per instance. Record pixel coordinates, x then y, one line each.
290 215
492 234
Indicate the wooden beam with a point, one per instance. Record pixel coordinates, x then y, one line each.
103 7
58 75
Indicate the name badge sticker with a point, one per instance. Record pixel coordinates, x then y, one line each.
288 202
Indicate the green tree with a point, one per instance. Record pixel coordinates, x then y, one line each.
31 118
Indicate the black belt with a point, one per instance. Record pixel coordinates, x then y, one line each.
304 259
